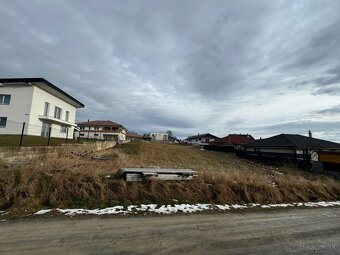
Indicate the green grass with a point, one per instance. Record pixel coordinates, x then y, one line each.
27 141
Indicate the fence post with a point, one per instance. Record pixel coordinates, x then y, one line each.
66 134
49 137
22 133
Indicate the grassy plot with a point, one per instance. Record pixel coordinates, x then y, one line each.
27 141
68 181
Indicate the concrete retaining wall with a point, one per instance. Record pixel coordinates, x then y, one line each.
8 154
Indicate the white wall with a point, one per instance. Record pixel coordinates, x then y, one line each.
121 136
159 136
100 135
200 141
26 104
37 108
20 104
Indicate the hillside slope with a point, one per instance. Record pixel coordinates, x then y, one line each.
66 181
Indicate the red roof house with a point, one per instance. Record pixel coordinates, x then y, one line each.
233 140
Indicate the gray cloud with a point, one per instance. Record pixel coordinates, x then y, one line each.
329 111
190 66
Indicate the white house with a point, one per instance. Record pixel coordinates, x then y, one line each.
200 140
38 103
101 130
157 136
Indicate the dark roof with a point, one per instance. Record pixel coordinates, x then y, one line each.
100 123
42 80
202 135
234 139
294 141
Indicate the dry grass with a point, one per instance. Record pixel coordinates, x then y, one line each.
73 181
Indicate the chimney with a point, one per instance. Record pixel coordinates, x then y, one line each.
310 134
88 120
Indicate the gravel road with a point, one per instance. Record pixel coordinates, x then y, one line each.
293 231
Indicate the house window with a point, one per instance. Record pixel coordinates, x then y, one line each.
81 134
5 99
95 134
96 128
57 112
82 128
3 122
67 116
47 109
45 129
63 129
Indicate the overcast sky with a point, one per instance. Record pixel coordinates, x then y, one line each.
258 67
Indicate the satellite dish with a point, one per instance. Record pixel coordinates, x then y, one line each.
314 156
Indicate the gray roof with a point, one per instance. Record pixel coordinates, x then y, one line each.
202 135
41 80
293 141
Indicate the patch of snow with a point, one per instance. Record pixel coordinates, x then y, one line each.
239 206
280 205
41 212
183 208
222 207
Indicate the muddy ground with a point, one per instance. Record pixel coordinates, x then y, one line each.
293 231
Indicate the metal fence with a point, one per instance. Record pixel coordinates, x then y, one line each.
14 133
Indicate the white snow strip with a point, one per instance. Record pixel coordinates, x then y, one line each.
239 206
183 208
42 211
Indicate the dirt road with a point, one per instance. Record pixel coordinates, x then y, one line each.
294 231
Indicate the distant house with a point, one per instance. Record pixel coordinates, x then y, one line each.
231 142
201 140
46 109
160 136
101 130
288 147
